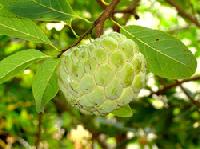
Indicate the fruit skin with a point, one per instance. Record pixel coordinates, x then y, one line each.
103 75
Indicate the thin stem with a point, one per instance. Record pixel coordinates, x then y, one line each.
177 83
38 133
78 41
105 15
195 102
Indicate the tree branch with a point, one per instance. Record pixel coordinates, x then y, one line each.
195 102
183 13
106 14
98 23
177 83
79 40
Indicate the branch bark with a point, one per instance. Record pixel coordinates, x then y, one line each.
183 13
98 23
106 14
195 102
78 41
177 83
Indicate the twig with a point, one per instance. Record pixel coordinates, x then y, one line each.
38 133
195 102
177 83
183 13
103 6
106 14
79 40
98 23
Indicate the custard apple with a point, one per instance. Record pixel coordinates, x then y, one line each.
103 75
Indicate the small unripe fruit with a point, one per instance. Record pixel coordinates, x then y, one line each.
103 75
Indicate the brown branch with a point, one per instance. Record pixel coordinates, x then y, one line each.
106 14
195 102
183 13
98 23
78 41
104 5
177 83
38 133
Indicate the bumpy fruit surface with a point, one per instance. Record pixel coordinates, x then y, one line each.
103 75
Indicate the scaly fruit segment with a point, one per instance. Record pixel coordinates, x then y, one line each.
103 75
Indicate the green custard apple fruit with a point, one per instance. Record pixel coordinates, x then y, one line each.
103 75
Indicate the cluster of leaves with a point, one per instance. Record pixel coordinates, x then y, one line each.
29 61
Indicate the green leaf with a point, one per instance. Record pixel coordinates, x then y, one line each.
12 25
14 63
45 85
43 10
166 56
124 111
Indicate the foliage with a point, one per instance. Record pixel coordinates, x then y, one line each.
35 33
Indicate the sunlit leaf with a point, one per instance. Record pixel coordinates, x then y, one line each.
166 56
11 65
45 85
12 25
43 10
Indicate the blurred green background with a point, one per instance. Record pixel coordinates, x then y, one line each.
167 121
